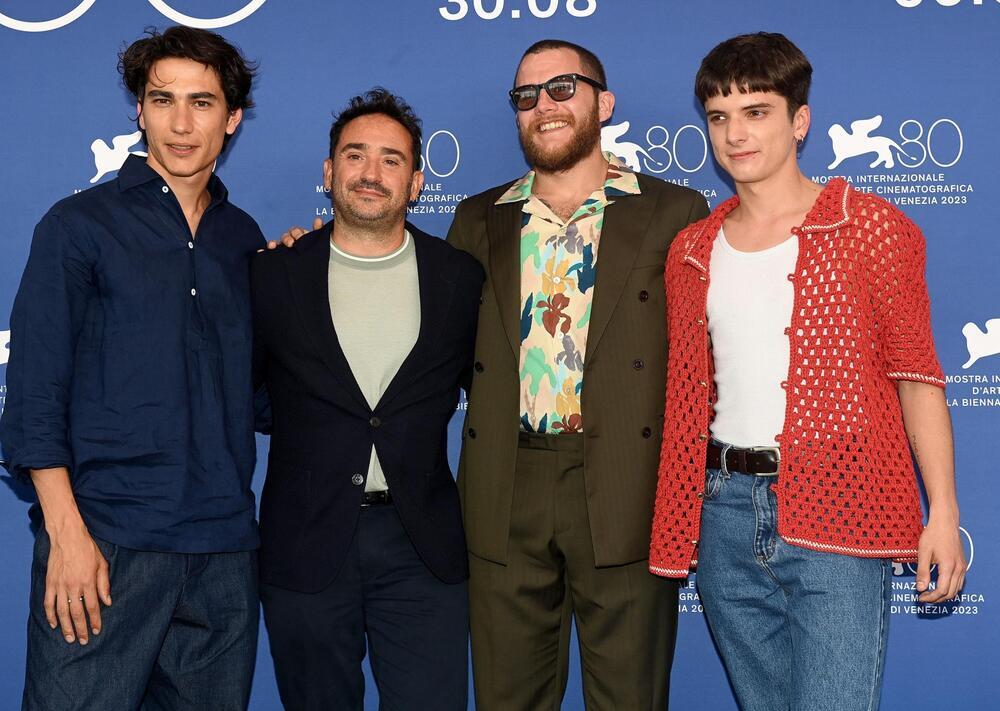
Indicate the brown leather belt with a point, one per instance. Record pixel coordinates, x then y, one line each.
762 461
375 498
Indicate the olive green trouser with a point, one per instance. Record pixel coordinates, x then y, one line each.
520 613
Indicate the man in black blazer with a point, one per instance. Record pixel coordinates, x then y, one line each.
365 331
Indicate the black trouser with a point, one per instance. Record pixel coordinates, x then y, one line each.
416 628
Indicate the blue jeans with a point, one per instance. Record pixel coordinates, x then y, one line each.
181 633
797 629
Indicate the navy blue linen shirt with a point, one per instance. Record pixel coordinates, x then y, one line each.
130 364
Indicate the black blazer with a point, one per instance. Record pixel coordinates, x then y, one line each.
323 429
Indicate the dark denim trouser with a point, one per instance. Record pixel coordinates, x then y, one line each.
181 633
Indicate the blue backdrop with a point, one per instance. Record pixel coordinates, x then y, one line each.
904 104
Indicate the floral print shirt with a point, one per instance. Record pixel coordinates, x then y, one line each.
558 268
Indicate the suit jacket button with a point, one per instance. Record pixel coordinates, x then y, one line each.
479 367
472 433
638 364
357 480
647 433
375 422
643 295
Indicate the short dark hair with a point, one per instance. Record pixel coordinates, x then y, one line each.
379 101
591 64
235 72
763 61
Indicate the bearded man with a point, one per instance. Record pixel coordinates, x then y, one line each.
558 478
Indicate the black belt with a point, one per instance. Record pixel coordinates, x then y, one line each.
762 461
375 498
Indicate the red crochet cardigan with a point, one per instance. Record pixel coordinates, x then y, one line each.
860 322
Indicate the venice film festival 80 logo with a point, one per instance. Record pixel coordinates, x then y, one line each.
683 152
162 6
914 165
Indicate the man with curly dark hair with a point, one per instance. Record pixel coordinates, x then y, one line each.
130 409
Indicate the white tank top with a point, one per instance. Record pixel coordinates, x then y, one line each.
749 313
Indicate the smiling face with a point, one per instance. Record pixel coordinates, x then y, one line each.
371 176
556 135
184 114
752 135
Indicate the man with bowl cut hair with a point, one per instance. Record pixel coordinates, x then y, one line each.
801 373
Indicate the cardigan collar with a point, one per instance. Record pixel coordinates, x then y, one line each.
829 212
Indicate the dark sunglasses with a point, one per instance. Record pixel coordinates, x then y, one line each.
559 88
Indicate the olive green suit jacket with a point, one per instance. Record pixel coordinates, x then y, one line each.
624 369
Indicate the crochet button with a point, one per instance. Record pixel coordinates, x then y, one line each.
701 495
702 383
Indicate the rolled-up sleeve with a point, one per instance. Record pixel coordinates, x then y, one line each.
49 312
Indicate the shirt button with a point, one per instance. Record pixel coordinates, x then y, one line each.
643 295
479 367
357 480
375 422
165 189
646 433
471 433
194 292
190 245
638 364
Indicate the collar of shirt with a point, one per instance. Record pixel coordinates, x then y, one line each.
620 181
136 171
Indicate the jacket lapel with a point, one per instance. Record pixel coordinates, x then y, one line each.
436 286
625 225
308 274
503 230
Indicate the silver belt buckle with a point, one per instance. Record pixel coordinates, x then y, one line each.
777 454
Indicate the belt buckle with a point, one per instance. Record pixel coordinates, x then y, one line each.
777 455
